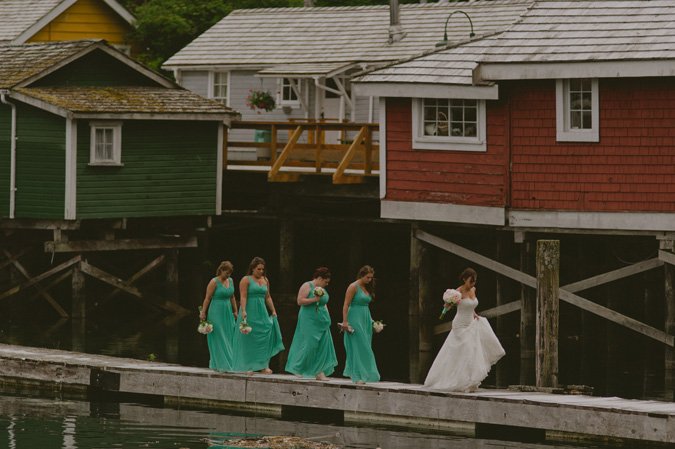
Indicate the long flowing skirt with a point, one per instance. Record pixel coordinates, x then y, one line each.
220 339
312 351
360 363
253 351
465 358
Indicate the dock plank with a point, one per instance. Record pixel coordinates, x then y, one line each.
645 420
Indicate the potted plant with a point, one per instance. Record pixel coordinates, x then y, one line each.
259 100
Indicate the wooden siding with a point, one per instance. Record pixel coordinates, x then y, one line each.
632 168
457 177
95 69
84 20
40 164
5 155
169 169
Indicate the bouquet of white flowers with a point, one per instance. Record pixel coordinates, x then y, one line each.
245 328
205 327
319 292
378 326
452 297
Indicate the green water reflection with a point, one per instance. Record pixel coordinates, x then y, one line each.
39 423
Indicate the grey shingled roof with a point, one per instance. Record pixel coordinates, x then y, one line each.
16 16
551 32
126 99
19 62
275 36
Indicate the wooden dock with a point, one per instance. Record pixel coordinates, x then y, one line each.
546 416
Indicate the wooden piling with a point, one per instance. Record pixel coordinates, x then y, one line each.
420 339
548 283
669 375
286 256
79 296
527 317
172 284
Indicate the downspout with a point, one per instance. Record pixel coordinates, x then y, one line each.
12 163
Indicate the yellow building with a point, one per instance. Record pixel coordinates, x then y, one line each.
24 21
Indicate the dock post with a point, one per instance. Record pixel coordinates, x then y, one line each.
172 285
548 283
78 309
527 314
421 337
286 255
669 375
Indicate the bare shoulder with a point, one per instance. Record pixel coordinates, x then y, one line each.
244 281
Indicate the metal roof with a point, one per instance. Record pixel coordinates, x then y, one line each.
268 37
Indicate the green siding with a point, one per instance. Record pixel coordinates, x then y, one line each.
5 155
95 69
40 164
169 169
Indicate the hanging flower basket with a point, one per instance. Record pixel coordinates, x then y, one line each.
259 101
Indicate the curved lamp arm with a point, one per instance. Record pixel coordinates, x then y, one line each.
445 34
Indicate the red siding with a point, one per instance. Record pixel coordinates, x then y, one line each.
458 177
630 169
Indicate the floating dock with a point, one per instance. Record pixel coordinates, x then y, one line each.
533 416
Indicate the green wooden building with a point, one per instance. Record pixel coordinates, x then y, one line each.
88 133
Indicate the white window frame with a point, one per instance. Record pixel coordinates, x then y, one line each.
449 143
280 97
117 143
212 90
562 101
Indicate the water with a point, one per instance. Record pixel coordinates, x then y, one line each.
40 423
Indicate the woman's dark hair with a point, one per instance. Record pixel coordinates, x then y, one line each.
370 288
468 273
254 263
225 266
322 272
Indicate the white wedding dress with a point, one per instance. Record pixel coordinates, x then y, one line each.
468 353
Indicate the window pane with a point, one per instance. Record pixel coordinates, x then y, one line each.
104 144
464 118
220 87
587 120
435 117
575 120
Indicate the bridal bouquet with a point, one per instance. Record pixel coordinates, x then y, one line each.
319 292
205 327
245 328
452 297
378 326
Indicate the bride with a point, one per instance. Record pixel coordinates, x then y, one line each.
470 349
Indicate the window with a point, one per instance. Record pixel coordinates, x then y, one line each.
106 143
577 110
449 124
288 95
219 86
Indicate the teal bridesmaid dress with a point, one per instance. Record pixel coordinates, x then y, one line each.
360 363
312 351
220 339
253 351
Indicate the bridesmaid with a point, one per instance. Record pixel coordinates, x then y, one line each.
253 351
312 353
222 314
360 364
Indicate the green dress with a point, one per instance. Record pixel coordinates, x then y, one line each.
253 351
220 339
360 363
312 351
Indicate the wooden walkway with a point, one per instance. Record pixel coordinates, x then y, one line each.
565 417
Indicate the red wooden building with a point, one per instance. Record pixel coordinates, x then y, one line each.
562 127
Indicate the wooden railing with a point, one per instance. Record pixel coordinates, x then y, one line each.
350 161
